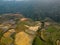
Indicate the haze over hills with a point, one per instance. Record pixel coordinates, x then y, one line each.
33 9
36 10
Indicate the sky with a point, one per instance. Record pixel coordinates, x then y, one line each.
28 0
15 0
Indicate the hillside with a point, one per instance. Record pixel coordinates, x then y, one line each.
15 29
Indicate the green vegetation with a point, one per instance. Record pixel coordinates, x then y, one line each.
38 41
6 41
1 33
51 35
51 29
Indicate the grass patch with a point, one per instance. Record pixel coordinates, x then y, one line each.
38 41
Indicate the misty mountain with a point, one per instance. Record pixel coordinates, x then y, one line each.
36 10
